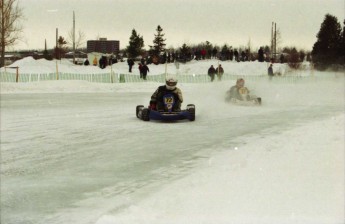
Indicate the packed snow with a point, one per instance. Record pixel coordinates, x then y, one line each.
74 151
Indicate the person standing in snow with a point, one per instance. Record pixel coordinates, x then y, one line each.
270 71
236 55
145 70
102 62
261 55
220 72
95 61
130 63
211 72
140 67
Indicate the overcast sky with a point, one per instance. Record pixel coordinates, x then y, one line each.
232 22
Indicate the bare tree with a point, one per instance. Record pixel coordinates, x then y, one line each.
79 41
10 17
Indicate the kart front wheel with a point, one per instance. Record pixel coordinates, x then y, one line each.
137 109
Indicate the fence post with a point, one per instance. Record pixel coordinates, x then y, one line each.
122 78
111 73
17 74
57 71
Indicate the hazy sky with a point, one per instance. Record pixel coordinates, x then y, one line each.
234 22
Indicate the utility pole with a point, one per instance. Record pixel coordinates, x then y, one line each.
275 41
73 38
272 40
56 45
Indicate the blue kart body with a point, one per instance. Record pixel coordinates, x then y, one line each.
170 116
169 113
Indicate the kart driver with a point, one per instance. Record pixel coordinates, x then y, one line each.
234 92
156 102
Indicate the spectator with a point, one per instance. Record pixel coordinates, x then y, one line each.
236 54
220 72
144 70
103 62
140 70
270 71
243 56
130 63
95 61
211 72
231 55
261 55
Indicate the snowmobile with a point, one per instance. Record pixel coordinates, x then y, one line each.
168 113
246 99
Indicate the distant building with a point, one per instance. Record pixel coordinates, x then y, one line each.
103 46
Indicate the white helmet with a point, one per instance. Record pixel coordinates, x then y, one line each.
170 83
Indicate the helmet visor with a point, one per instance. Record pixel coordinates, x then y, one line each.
171 83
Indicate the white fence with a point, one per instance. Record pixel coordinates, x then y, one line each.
122 78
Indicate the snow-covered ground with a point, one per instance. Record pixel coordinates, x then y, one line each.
74 152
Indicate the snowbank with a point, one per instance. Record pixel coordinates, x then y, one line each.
29 65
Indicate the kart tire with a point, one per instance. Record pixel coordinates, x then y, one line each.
145 114
138 108
191 110
259 100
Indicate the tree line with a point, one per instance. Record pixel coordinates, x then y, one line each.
157 52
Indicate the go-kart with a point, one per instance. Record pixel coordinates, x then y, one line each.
168 113
245 99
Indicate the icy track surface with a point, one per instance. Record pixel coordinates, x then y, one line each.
74 157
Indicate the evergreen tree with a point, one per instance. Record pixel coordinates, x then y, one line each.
294 60
158 43
136 43
342 46
326 49
60 49
208 48
185 53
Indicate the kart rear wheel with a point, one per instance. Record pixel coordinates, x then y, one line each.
145 114
137 109
191 110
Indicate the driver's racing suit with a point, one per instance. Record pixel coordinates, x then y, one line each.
157 98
